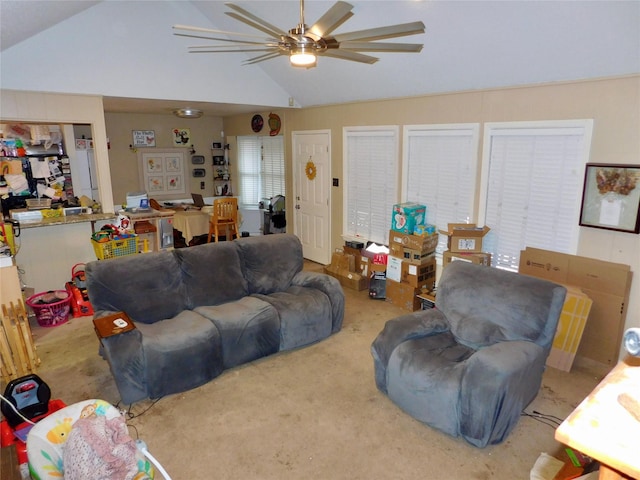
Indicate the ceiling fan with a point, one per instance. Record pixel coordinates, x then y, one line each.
303 44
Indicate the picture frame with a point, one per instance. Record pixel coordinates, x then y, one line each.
144 138
611 197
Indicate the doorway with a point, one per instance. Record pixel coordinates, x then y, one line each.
311 189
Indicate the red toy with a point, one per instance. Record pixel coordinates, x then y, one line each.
77 288
30 396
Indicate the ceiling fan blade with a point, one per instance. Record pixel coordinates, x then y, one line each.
339 13
257 21
262 58
214 49
210 30
349 55
381 47
245 47
243 42
391 31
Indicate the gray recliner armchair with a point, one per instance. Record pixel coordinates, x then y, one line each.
471 365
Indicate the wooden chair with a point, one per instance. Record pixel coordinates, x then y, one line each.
224 217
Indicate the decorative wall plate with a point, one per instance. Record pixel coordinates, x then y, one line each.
257 122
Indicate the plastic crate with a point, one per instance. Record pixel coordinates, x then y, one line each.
116 248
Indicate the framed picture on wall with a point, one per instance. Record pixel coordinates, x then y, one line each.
144 138
611 197
181 137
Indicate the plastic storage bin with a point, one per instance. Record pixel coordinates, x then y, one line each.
116 248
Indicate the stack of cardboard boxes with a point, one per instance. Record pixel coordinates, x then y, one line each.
411 265
465 244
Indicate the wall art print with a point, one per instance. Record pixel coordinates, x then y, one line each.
611 197
181 137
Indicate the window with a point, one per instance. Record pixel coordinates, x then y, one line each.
260 169
371 181
439 171
531 187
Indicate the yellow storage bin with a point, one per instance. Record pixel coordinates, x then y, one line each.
116 248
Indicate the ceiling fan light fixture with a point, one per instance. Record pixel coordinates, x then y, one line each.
301 56
188 113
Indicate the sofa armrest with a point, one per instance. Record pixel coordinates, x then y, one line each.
418 324
330 287
125 356
499 381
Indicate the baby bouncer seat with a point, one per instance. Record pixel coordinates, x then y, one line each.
88 439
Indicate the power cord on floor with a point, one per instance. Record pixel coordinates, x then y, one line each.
549 420
129 415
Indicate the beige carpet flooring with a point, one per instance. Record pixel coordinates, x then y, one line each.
312 413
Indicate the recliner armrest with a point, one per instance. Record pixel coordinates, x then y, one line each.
499 381
125 355
418 324
330 287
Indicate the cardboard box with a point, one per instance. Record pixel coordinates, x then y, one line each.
423 243
607 284
478 258
420 276
343 268
571 325
403 295
405 216
465 237
346 278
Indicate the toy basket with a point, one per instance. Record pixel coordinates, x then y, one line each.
52 313
116 248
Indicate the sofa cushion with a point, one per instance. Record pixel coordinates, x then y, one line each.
146 286
181 353
249 329
211 273
270 262
305 315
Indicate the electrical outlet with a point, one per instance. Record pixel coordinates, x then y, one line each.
336 182
201 185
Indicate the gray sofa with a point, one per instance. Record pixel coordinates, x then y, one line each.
471 365
204 309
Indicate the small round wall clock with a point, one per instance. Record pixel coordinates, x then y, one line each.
257 122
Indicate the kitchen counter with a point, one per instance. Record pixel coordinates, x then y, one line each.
71 219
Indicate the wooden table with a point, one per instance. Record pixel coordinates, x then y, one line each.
606 425
192 223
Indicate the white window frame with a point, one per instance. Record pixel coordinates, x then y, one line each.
384 182
465 170
582 127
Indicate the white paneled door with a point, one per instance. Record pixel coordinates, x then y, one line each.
311 188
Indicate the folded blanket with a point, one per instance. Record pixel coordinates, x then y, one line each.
101 449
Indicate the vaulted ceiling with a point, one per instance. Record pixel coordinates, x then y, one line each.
126 50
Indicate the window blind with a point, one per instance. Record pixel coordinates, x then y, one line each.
533 190
440 172
272 173
260 169
371 178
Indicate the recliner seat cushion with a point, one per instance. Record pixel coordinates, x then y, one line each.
180 353
249 329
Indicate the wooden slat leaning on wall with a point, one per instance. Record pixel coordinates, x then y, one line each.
17 349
